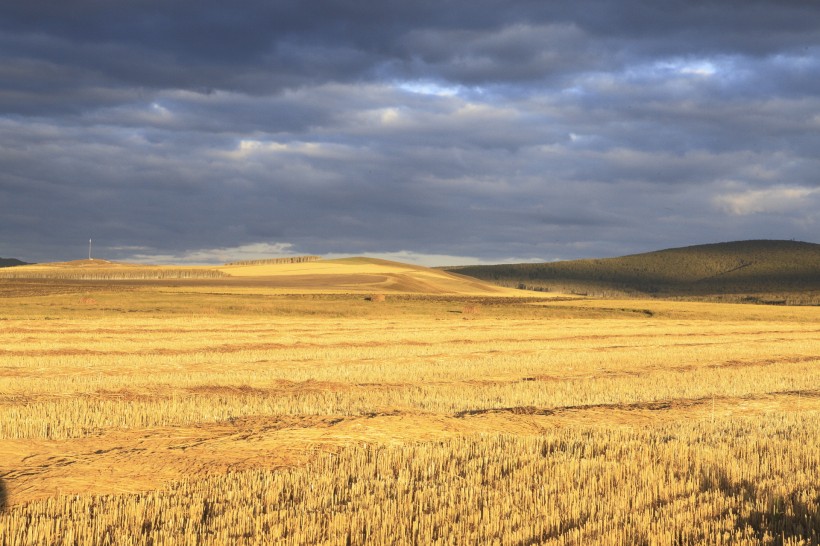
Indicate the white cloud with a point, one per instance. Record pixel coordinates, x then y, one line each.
417 258
703 68
255 251
160 110
247 148
129 248
682 66
434 260
777 199
429 88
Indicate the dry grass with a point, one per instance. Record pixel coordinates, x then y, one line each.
101 270
210 414
739 482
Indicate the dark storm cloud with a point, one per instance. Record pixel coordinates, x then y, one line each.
264 46
483 129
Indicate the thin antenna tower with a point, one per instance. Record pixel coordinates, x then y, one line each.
89 250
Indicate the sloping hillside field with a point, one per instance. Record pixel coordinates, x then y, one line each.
350 275
769 272
368 402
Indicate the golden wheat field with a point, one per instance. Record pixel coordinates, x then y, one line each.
367 402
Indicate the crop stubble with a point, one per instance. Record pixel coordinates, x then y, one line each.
128 416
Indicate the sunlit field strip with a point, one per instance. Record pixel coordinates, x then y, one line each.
132 372
81 414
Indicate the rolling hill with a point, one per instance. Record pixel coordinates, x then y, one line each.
11 262
349 276
756 271
362 275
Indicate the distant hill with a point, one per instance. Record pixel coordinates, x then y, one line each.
362 275
10 262
754 271
302 275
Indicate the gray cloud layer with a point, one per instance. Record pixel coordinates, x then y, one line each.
485 130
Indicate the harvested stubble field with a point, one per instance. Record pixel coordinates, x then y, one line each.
241 411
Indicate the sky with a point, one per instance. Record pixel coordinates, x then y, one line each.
434 132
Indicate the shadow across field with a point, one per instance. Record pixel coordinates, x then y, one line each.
762 272
786 518
4 497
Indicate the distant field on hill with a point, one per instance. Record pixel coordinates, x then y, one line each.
105 270
786 272
294 276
